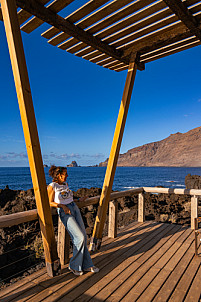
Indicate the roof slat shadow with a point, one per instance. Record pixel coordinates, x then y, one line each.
108 32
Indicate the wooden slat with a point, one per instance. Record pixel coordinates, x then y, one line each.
111 19
50 17
23 15
160 19
136 283
183 42
99 58
148 15
73 290
173 51
56 6
128 265
93 18
180 9
170 34
87 8
121 68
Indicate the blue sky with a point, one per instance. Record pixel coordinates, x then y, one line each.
77 102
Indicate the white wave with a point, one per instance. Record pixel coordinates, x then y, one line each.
180 185
170 181
130 187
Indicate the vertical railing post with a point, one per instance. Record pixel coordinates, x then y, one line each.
194 210
141 208
112 224
63 245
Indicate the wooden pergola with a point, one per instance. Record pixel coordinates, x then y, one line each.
116 34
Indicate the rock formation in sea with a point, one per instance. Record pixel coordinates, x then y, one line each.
177 150
73 164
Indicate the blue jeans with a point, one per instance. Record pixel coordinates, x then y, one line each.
74 224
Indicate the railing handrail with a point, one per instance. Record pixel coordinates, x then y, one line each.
30 215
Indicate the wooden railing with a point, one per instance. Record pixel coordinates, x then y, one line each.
63 237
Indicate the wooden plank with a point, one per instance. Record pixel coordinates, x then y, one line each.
180 9
146 31
73 290
171 52
30 131
91 19
168 287
41 277
141 208
137 283
194 293
171 34
63 245
52 18
105 287
87 8
183 42
112 223
112 162
145 262
160 279
24 15
185 282
17 218
108 20
149 15
172 191
56 6
194 210
69 281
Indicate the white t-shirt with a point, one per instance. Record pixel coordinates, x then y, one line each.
63 194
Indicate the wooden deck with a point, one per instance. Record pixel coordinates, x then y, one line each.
147 262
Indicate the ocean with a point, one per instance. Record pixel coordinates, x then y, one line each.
86 177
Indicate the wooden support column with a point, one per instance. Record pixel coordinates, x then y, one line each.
21 78
194 210
114 153
141 208
63 245
112 223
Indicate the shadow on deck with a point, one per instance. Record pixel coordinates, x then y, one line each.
146 262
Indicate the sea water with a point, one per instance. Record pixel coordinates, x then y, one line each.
86 177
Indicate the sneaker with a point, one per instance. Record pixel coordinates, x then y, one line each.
92 269
77 273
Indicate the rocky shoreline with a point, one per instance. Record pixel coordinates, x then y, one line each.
22 242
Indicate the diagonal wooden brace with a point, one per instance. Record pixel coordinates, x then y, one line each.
113 158
21 78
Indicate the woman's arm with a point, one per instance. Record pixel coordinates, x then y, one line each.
51 194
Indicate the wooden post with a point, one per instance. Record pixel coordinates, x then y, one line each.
112 223
112 162
63 245
21 78
194 210
141 208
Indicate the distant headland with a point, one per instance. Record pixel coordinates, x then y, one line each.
177 150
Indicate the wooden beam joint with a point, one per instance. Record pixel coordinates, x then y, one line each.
180 9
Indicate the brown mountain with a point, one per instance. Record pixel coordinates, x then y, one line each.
177 150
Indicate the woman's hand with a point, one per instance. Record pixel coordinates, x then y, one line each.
66 210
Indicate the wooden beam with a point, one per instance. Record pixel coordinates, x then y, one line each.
21 78
170 35
46 15
112 162
181 11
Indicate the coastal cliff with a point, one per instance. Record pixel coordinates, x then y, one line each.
177 150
